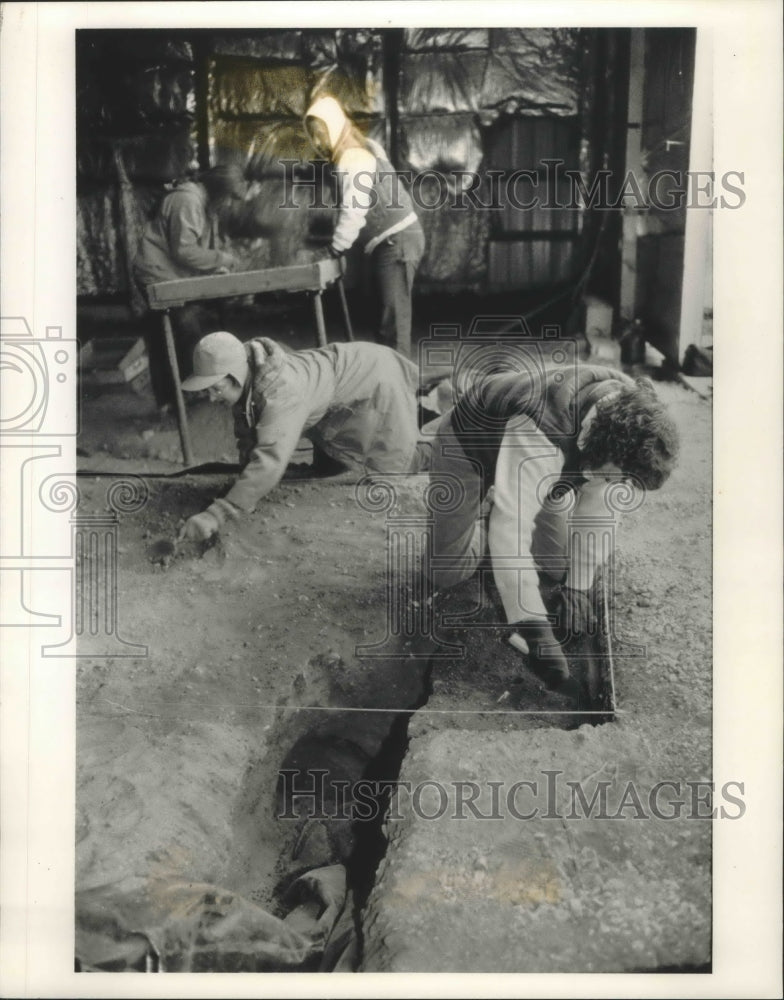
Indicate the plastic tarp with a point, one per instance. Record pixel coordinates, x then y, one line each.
163 91
283 45
530 83
169 926
451 82
535 71
127 81
442 81
455 241
99 266
136 94
455 238
140 46
259 82
100 253
427 39
440 142
161 156
248 88
530 71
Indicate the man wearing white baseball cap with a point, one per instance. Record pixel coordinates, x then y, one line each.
356 402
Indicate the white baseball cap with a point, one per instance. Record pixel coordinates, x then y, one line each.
216 356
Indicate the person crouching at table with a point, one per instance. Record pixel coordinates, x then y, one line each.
184 240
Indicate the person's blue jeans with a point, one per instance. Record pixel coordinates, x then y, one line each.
395 262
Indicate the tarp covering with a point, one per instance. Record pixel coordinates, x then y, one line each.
455 238
283 45
250 88
453 84
127 79
98 263
456 242
139 88
531 82
426 39
100 253
156 925
442 81
532 71
440 142
163 91
160 156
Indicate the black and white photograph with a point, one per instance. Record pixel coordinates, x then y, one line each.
389 584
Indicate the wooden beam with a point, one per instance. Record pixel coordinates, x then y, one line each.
296 278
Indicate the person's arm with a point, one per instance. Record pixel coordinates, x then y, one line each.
356 171
187 222
527 464
280 427
526 460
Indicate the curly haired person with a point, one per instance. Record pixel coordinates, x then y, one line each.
543 453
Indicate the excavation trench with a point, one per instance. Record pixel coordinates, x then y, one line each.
183 867
335 781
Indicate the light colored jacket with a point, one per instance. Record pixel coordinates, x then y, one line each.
182 240
374 204
356 401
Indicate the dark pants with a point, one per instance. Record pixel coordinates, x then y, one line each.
395 262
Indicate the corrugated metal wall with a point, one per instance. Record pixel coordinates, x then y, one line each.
539 246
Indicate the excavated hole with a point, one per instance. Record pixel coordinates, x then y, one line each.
346 715
350 744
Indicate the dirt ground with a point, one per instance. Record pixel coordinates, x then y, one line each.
547 897
252 653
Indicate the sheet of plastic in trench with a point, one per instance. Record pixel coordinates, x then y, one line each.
307 746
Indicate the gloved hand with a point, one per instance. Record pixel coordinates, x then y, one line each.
228 263
199 528
545 657
328 253
576 612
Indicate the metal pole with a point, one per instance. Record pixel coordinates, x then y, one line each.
320 325
182 419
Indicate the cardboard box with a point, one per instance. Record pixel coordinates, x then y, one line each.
112 360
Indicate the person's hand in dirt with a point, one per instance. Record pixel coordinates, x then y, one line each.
545 657
576 612
199 527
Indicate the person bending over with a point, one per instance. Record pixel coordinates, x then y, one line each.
376 212
544 455
356 402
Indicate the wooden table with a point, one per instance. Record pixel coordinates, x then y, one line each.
310 278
